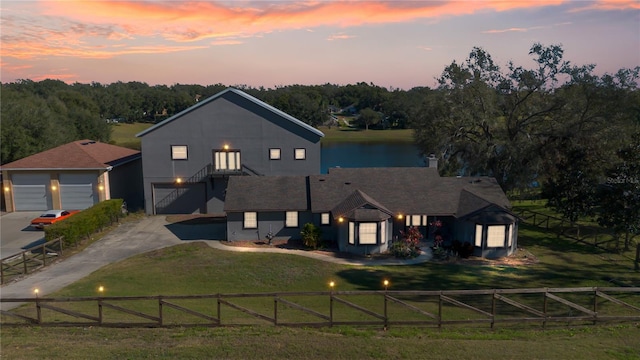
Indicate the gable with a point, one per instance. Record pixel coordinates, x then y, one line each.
249 103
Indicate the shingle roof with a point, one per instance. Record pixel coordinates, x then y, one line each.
266 193
81 154
244 95
360 206
368 192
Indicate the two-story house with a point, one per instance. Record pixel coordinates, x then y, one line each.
188 158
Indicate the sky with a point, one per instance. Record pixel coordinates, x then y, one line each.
393 44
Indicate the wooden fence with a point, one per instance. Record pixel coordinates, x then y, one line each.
30 260
590 235
575 306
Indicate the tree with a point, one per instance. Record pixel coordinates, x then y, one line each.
368 117
619 197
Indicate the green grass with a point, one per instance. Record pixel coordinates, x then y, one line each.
195 268
125 135
341 134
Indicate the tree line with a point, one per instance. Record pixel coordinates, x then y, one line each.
556 126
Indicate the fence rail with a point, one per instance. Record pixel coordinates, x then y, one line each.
30 260
589 305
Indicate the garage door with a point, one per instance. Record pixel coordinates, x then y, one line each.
31 192
179 199
78 191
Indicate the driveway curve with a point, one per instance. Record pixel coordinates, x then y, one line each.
149 233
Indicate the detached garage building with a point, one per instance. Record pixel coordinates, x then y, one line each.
73 176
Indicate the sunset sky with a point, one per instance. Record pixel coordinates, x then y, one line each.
394 44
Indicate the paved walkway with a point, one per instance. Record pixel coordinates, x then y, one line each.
147 234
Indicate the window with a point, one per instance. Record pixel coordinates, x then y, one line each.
495 235
510 239
274 154
178 152
367 233
478 235
291 219
383 232
352 240
325 219
227 160
250 220
300 154
416 220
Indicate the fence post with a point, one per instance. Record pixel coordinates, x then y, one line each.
440 310
331 308
595 305
24 262
637 266
160 310
493 309
275 310
544 309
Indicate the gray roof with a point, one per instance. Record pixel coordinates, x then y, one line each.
368 192
360 206
244 95
266 193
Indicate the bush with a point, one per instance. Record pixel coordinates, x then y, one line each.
86 223
407 247
311 236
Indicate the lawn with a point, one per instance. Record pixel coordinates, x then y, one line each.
195 268
125 135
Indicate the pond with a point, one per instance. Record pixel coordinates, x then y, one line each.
359 155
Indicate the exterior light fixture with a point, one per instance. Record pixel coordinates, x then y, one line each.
225 147
54 188
400 216
100 187
6 189
340 219
178 180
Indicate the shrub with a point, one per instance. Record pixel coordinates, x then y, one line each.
311 236
408 246
85 223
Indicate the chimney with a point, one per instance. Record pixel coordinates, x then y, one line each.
432 161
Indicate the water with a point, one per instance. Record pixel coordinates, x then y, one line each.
359 155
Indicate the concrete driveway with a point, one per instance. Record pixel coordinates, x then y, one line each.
16 234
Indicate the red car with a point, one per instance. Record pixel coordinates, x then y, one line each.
50 217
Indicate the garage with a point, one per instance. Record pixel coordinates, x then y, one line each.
31 192
78 191
179 198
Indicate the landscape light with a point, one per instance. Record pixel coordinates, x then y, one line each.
385 283
36 291
101 289
332 284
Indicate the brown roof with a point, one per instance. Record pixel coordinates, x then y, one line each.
81 154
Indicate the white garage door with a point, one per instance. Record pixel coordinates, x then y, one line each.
179 199
31 192
78 191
